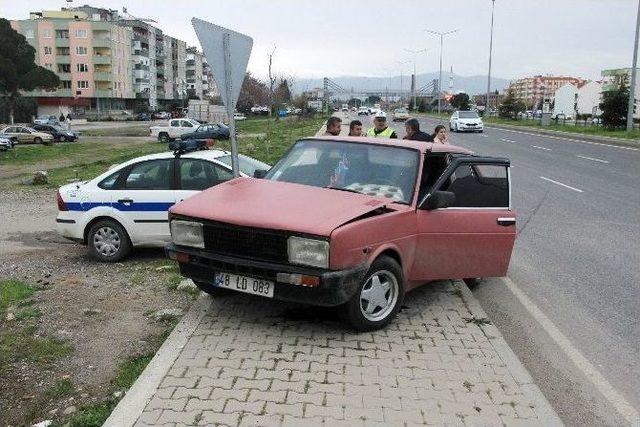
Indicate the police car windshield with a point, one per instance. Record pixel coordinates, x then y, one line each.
248 166
371 169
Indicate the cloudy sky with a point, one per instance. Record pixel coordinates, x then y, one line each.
369 37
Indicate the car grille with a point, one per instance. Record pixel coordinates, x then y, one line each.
246 242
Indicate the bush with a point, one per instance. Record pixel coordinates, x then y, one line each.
25 110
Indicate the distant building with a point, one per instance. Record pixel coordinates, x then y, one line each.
589 97
495 99
613 78
534 90
566 101
199 78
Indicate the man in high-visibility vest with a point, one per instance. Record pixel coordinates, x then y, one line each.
380 128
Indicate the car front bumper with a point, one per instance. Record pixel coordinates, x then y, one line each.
464 127
335 287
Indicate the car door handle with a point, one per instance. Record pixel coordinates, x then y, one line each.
126 202
505 222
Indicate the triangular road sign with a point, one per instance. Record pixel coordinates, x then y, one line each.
229 77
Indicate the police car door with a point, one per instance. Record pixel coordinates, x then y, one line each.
195 175
146 193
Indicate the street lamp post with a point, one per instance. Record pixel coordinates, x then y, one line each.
401 79
441 34
415 76
486 104
634 65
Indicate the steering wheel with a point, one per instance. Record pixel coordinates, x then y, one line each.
384 181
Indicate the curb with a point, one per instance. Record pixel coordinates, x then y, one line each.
129 409
547 416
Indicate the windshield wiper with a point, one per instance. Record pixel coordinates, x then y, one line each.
345 189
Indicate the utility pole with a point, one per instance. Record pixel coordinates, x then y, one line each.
438 33
486 103
402 63
634 65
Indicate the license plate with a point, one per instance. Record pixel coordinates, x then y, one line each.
245 284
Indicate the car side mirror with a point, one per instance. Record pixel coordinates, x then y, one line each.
260 173
439 200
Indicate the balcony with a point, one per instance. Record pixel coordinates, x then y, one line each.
141 38
141 52
53 93
191 62
141 67
63 59
102 59
62 42
142 95
102 76
103 93
101 42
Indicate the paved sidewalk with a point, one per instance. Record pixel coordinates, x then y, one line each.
241 360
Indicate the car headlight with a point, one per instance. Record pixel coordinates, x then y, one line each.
187 233
308 252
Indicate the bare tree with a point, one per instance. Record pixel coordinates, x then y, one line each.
272 80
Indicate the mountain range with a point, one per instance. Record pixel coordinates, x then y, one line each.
469 84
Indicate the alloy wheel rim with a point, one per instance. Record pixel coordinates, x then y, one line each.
379 296
107 241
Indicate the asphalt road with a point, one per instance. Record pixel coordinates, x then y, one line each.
577 261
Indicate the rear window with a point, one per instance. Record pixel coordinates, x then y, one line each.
468 115
247 165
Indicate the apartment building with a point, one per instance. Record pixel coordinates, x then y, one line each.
199 81
533 90
613 78
109 61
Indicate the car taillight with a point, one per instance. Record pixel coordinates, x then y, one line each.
61 205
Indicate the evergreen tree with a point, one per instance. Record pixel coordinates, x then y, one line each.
615 106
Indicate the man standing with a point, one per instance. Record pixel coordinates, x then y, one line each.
333 126
355 128
412 126
380 128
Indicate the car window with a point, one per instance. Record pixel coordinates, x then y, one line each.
109 182
468 115
479 186
199 175
247 165
149 175
187 124
25 130
175 123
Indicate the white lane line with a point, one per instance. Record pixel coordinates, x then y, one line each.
563 185
507 140
593 159
542 148
566 139
614 397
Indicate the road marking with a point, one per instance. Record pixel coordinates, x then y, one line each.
614 397
564 185
507 140
593 158
542 148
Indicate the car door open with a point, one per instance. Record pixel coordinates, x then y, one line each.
466 226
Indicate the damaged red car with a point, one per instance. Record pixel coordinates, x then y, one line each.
350 222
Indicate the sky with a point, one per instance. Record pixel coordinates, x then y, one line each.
319 38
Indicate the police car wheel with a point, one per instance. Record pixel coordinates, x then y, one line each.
108 241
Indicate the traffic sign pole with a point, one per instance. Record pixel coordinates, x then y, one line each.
230 109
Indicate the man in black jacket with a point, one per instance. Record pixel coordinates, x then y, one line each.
412 126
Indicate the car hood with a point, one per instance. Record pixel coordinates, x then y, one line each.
278 205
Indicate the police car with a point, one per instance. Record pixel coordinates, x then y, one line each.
127 206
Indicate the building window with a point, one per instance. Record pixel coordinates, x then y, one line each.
83 84
48 50
64 68
63 51
81 50
65 84
82 34
82 68
29 34
62 34
46 34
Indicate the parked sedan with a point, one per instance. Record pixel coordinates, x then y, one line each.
5 143
208 131
59 133
47 120
127 206
25 134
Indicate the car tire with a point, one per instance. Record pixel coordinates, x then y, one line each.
214 291
164 138
37 140
63 139
108 241
384 283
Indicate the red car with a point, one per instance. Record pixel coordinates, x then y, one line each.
350 222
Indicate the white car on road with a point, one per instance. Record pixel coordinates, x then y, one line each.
127 205
466 121
174 129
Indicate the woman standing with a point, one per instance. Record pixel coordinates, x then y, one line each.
440 135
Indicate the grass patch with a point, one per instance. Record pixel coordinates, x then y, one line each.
12 292
24 346
93 415
28 313
476 321
62 388
128 130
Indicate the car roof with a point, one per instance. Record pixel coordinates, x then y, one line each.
402 143
200 154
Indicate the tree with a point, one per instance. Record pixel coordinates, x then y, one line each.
460 101
614 107
18 70
283 93
253 92
511 106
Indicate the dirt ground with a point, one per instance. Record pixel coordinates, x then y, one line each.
102 311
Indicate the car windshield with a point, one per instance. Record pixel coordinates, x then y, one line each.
468 115
401 110
372 169
248 166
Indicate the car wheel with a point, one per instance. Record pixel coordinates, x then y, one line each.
108 241
63 139
378 298
210 289
164 138
37 140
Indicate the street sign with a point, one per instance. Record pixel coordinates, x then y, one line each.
227 53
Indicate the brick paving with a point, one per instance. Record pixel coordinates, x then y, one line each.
257 362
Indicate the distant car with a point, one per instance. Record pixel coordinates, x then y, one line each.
58 132
175 128
363 111
127 205
46 120
143 117
23 134
239 117
466 121
596 120
208 131
6 143
400 114
162 115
